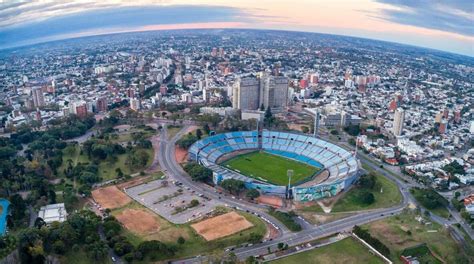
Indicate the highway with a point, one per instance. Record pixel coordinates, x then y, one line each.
170 166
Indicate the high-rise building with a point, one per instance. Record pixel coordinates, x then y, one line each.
439 117
38 97
246 94
78 108
135 104
101 104
250 93
457 116
398 120
443 127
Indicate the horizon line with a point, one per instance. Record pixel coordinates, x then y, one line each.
196 27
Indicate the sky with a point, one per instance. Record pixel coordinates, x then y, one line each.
444 25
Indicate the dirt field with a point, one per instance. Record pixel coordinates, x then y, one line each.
180 154
273 201
221 226
110 197
138 221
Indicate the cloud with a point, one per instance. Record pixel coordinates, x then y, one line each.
21 12
455 16
116 19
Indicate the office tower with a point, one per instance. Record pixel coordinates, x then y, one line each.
250 93
398 120
38 98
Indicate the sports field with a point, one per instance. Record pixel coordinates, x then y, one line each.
262 165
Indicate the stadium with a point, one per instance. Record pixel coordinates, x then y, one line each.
262 158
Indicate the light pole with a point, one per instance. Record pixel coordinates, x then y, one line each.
289 173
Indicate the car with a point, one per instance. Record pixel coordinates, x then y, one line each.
113 259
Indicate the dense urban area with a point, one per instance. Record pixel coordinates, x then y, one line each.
103 143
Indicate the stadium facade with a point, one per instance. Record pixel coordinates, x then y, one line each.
339 167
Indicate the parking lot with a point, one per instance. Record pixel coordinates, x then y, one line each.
172 200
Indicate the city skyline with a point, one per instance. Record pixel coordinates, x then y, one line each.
442 26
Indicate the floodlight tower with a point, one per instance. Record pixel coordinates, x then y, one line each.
289 173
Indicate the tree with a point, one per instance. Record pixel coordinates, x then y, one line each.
353 130
194 203
181 240
252 194
454 168
233 185
281 245
268 117
199 133
206 128
366 197
367 181
304 129
198 172
186 141
250 260
457 194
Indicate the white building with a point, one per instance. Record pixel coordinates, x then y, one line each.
398 120
53 213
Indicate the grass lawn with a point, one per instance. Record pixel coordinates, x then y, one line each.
404 231
345 251
194 244
173 130
385 192
262 165
315 208
80 257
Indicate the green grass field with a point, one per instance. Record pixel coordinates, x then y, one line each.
404 231
262 165
385 192
345 251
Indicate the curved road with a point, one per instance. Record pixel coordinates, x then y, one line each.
173 169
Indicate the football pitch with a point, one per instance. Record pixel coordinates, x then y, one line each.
262 165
